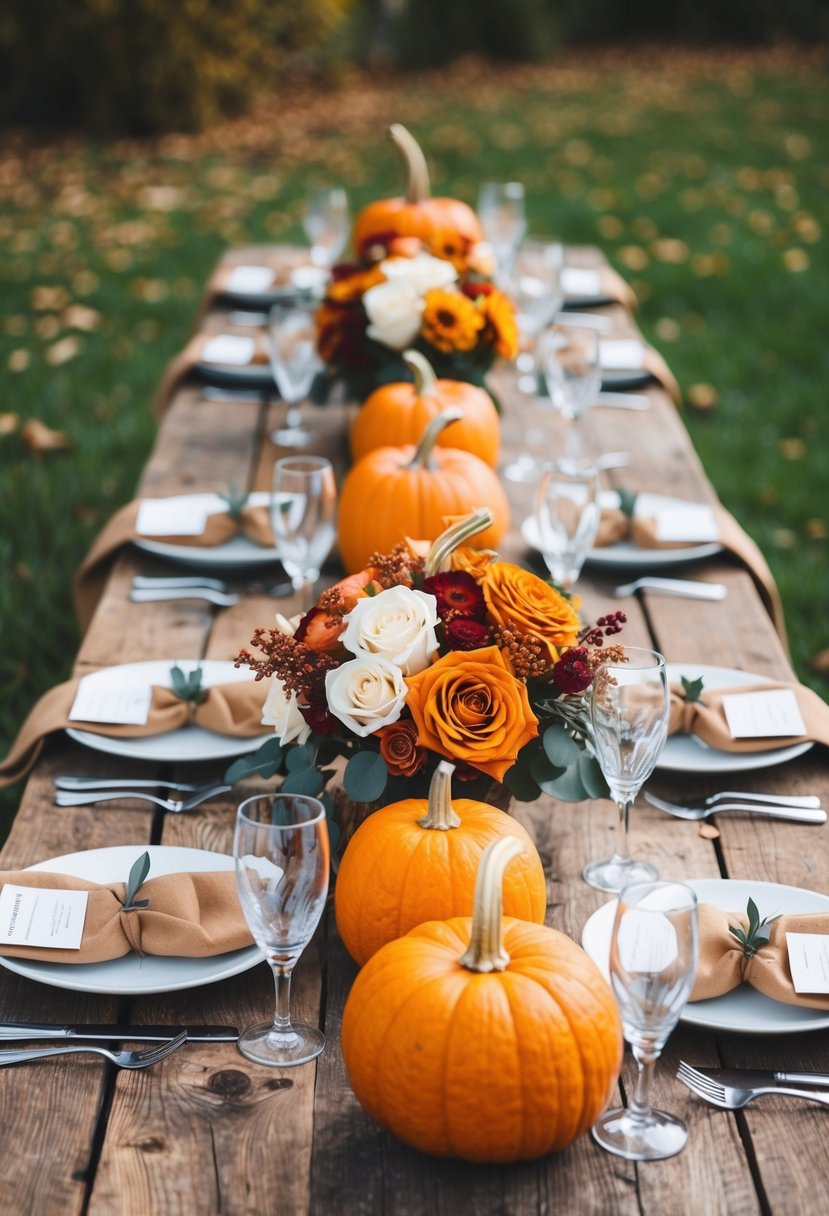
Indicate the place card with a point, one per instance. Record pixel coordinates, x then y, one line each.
690 522
578 281
622 355
249 279
39 916
809 961
170 517
646 941
113 704
230 349
760 715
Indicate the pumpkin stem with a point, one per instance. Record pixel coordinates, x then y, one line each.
441 814
420 367
454 535
412 153
485 951
429 438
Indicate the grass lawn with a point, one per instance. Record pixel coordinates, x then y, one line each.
703 176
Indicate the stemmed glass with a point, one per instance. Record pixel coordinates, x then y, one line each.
327 223
502 216
292 346
653 959
280 848
570 359
303 509
567 516
629 712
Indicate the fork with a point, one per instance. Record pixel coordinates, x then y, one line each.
806 810
126 783
67 798
161 582
729 1097
124 1059
219 598
673 586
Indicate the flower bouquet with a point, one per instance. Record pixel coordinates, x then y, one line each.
448 654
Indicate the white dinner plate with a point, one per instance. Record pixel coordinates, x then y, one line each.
744 1010
625 552
234 553
687 754
133 975
175 746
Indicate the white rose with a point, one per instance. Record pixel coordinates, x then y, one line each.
366 693
398 624
288 625
423 272
281 711
394 311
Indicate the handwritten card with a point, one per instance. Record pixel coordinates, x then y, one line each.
760 715
249 279
809 961
622 355
692 522
113 704
230 349
170 517
32 916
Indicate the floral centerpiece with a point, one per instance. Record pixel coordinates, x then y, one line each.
453 653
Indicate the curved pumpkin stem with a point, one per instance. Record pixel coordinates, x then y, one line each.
454 535
422 370
441 815
412 153
429 438
485 951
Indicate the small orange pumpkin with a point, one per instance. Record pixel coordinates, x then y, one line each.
397 413
416 860
395 492
417 215
484 1040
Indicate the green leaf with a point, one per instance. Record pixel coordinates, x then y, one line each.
235 499
627 502
542 770
521 783
300 756
569 786
264 762
365 776
308 781
592 777
692 689
187 687
138 872
561 750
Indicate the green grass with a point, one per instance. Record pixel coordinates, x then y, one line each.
703 177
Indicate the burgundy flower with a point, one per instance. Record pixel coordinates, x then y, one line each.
316 714
463 634
457 594
572 672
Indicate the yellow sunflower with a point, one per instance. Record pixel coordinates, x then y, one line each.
451 321
500 319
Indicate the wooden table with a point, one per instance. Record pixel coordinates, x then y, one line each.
207 1132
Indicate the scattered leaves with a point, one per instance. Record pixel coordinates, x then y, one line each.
38 437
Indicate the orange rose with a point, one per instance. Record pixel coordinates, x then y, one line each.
474 562
468 706
400 749
321 629
515 597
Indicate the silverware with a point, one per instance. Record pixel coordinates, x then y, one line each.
168 804
797 814
683 587
710 800
128 783
755 1078
245 316
10 1031
587 320
623 401
146 582
211 393
124 1059
219 598
732 1097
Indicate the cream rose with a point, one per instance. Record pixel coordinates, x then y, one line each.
366 693
423 272
281 711
394 311
398 624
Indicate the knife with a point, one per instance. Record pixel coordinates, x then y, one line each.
11 1031
749 1078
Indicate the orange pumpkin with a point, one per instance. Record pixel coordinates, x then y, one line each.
484 1040
417 215
396 492
416 860
397 413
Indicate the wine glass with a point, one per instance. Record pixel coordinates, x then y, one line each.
538 296
327 223
653 959
303 507
280 848
503 220
629 713
567 516
570 360
292 346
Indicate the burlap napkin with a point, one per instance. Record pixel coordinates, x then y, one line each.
252 522
227 709
183 363
188 916
723 966
706 719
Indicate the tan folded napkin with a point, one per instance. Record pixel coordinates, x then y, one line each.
188 916
706 719
723 966
252 522
615 287
183 363
227 709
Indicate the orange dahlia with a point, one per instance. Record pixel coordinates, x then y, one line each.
451 321
354 286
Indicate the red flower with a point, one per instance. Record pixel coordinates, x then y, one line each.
316 714
463 634
572 672
399 748
457 594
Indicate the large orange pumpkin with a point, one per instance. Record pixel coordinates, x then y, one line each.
398 413
396 492
416 860
484 1040
417 215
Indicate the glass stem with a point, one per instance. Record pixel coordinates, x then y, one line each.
640 1099
623 806
282 983
293 417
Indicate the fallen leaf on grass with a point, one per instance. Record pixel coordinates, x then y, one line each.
820 661
62 351
38 437
9 423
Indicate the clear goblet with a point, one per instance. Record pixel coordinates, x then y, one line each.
629 714
327 223
503 220
280 848
303 510
567 516
292 346
570 360
653 960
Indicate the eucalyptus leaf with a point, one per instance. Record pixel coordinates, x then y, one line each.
521 783
692 689
365 777
568 786
308 781
187 687
264 762
542 770
592 777
627 502
139 870
560 748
